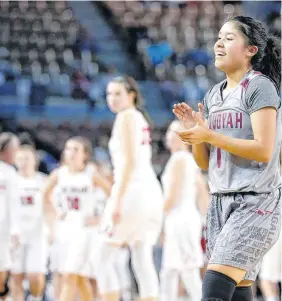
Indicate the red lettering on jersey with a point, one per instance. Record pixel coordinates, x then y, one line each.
146 131
74 203
27 200
218 154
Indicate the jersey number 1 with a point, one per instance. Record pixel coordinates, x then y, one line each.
218 156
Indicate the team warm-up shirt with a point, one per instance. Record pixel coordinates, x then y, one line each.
231 116
76 190
31 203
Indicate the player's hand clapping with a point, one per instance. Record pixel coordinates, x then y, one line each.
197 131
185 114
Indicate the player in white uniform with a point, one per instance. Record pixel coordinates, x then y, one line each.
9 206
76 181
30 258
134 212
182 251
56 242
271 269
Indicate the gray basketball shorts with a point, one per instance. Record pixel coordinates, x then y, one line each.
241 228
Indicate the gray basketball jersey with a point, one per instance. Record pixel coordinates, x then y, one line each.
231 117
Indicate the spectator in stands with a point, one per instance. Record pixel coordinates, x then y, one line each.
158 51
84 41
80 85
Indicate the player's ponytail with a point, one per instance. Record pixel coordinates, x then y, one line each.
268 58
131 86
270 64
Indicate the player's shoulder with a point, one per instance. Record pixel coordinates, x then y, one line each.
7 168
181 158
128 114
260 82
40 176
128 117
90 167
59 172
214 90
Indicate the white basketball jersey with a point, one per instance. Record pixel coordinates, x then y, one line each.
9 205
142 148
186 197
32 205
76 190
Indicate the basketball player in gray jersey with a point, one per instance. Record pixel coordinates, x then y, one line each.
236 135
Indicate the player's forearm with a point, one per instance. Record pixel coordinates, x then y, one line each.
169 204
201 155
248 149
14 220
124 181
50 212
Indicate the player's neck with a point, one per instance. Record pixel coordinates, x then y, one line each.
129 107
27 173
76 169
234 77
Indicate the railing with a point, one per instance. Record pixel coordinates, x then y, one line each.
73 113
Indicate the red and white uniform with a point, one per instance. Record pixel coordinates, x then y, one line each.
142 203
32 254
74 240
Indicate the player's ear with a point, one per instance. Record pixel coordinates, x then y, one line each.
252 50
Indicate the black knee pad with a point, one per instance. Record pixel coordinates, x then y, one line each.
6 290
218 287
243 294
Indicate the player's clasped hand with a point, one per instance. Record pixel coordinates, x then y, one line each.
197 131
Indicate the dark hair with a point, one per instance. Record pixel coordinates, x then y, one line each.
26 139
267 59
131 85
86 143
5 140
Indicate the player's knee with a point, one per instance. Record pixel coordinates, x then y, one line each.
17 281
217 286
145 271
36 283
70 280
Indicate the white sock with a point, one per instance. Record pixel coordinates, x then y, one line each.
272 298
